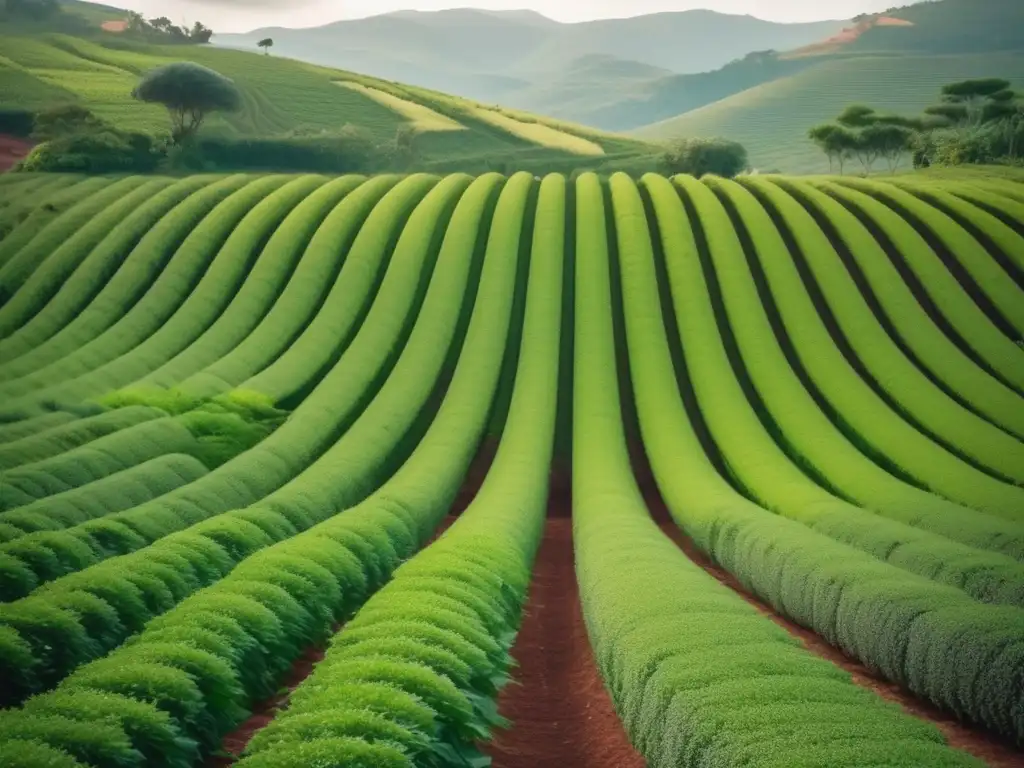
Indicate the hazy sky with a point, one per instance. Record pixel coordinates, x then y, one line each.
243 15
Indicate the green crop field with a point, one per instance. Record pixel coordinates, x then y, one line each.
237 411
772 120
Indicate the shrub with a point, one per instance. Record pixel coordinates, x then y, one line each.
698 157
103 151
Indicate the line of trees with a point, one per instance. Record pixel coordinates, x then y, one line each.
975 121
162 29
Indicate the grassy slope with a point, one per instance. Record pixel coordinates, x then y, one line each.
898 68
280 95
772 120
530 62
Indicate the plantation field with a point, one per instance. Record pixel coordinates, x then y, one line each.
252 422
281 96
772 120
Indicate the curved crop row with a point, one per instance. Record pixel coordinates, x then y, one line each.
760 467
59 331
237 409
913 392
80 269
183 682
1009 242
217 252
146 336
83 198
122 490
351 469
285 262
904 625
697 675
950 301
941 358
1006 296
854 402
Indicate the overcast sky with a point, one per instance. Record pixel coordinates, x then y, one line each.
243 15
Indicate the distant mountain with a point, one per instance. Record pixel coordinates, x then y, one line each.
523 59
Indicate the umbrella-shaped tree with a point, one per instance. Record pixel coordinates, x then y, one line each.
190 92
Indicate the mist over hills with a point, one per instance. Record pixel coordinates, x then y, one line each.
523 59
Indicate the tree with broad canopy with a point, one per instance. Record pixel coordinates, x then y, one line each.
190 92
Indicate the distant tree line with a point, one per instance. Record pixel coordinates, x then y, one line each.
161 29
975 121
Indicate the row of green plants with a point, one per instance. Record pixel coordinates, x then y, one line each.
183 683
866 416
896 619
697 675
280 294
173 615
298 467
776 467
210 434
971 384
957 236
438 635
975 326
102 348
117 492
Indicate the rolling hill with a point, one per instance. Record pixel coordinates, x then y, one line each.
772 119
895 62
284 96
513 57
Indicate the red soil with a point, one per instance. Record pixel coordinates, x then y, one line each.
263 712
114 26
848 35
12 151
562 715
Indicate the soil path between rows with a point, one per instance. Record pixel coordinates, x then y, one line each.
562 715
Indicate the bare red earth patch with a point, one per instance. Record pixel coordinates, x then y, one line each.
12 151
562 715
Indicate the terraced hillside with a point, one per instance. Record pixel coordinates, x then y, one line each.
772 119
288 462
284 95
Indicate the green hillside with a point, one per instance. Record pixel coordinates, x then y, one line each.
772 119
896 61
949 26
528 61
282 96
